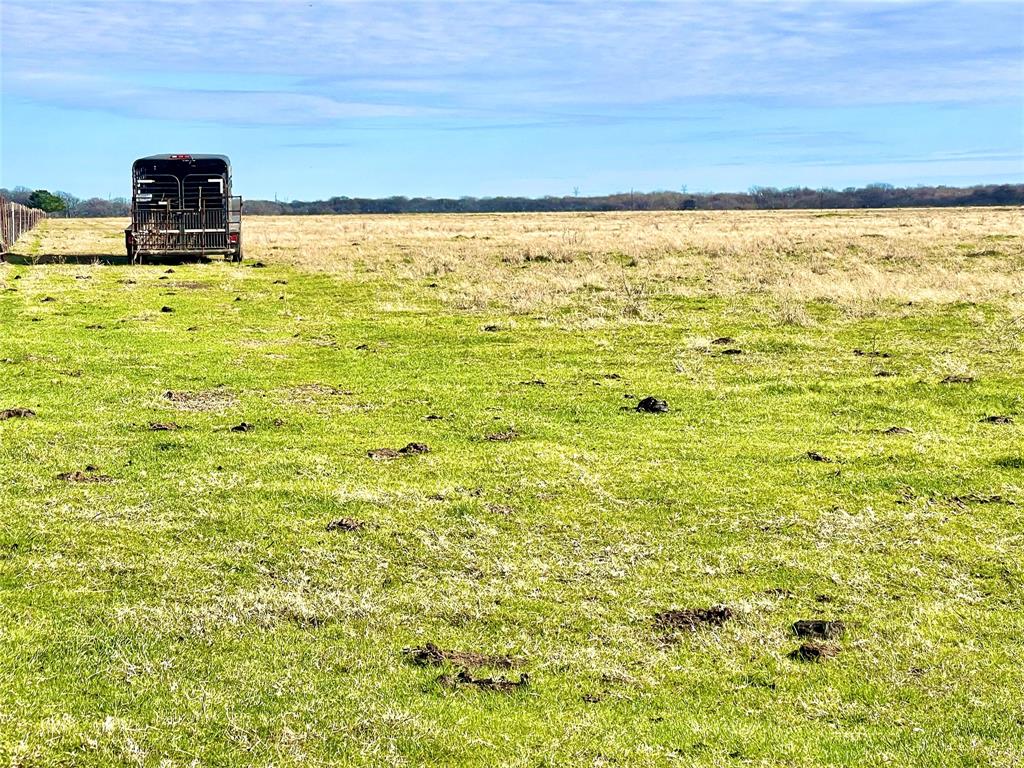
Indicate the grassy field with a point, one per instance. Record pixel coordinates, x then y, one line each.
202 564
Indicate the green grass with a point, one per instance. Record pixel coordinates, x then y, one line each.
195 610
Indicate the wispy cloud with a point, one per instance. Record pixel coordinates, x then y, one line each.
338 62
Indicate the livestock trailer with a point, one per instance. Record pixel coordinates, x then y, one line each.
182 206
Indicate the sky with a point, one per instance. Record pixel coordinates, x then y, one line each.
312 99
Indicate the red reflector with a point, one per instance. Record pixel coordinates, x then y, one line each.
181 157
232 237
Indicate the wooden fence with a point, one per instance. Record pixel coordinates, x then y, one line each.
14 220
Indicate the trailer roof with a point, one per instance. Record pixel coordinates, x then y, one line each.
178 157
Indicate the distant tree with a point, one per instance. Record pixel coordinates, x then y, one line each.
45 201
70 201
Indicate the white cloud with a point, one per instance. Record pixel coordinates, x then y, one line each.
332 61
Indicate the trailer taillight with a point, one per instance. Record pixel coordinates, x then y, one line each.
233 238
181 157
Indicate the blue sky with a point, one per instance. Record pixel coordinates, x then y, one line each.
314 98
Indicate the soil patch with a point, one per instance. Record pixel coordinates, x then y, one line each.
817 628
534 383
509 434
345 524
243 427
652 405
957 378
884 374
430 655
815 456
721 340
814 651
91 474
390 453
692 618
897 431
168 426
17 413
464 678
732 351
997 420
871 353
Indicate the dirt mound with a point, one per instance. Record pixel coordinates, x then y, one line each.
17 413
814 651
498 437
722 340
652 405
815 456
464 678
345 524
390 453
957 378
168 426
243 427
997 420
692 618
817 628
897 431
871 353
91 474
431 655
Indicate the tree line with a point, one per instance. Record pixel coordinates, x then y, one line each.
66 204
757 198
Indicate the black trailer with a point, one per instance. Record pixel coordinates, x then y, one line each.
182 206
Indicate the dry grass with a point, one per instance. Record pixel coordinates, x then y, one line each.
618 263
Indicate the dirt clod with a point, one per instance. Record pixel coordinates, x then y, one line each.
168 426
897 431
722 340
243 427
817 628
957 378
47 299
815 456
499 437
430 655
871 353
883 374
432 417
692 618
90 475
166 309
491 328
345 524
732 351
390 453
814 651
997 420
652 405
17 413
464 678
534 383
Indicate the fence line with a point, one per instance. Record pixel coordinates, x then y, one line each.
16 219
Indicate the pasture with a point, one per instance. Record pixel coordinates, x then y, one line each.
214 552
